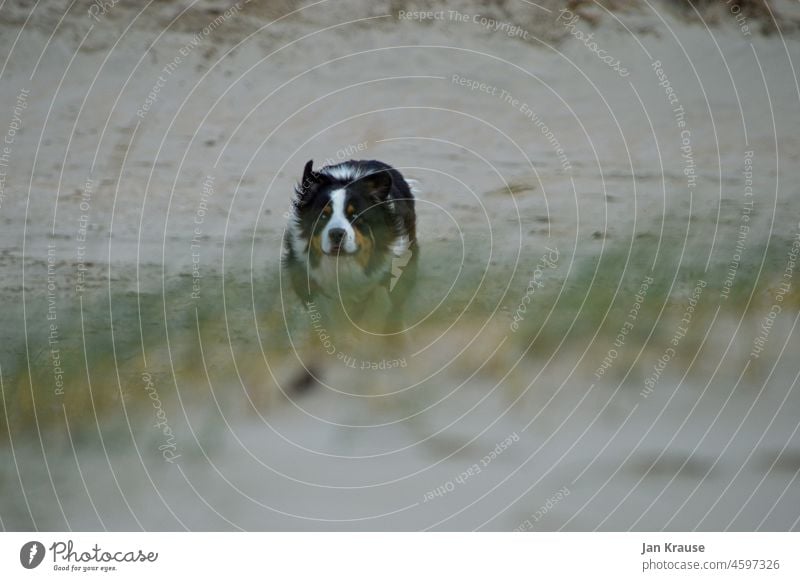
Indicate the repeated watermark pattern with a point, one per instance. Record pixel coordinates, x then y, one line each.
744 227
85 206
154 94
530 114
490 24
627 327
207 192
353 150
549 260
54 334
569 21
473 470
679 115
783 288
529 523
168 447
679 333
735 8
100 8
328 344
132 135
14 126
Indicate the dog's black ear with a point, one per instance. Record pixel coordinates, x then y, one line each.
303 191
378 184
308 174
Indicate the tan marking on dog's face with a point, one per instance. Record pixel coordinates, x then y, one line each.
316 244
365 248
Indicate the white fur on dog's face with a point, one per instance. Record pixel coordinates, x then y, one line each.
339 220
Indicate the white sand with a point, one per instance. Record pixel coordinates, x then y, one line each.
251 114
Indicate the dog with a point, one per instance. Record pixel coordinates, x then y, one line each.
351 243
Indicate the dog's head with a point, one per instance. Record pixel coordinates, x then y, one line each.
343 212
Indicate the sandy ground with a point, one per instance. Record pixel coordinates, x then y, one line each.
147 145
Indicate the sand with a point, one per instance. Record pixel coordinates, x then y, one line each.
157 145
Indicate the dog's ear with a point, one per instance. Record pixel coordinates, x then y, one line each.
303 190
308 174
377 184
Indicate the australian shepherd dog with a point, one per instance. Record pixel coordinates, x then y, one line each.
350 245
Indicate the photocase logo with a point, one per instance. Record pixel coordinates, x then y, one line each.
398 264
31 554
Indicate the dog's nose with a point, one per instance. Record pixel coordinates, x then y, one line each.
337 235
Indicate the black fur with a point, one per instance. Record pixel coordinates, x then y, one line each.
383 213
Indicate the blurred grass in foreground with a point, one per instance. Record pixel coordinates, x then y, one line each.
188 345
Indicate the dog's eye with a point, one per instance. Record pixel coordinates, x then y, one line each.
351 211
326 212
